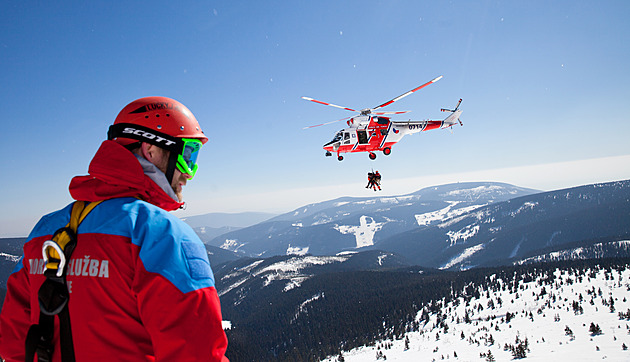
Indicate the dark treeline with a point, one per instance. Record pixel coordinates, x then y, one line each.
339 311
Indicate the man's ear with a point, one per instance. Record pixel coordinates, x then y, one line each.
148 151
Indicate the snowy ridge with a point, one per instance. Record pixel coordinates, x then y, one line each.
387 200
231 245
302 308
429 217
289 270
594 251
463 234
468 252
466 213
475 193
297 250
238 275
526 205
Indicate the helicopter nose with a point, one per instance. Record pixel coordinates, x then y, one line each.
332 146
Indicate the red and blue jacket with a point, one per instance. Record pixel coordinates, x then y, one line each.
141 286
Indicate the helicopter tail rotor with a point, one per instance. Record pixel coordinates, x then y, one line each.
455 110
452 110
453 117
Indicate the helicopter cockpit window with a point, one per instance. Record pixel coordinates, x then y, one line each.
346 136
363 138
382 120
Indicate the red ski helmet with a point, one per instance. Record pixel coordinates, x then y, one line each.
161 121
161 115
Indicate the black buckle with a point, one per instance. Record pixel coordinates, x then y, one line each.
53 297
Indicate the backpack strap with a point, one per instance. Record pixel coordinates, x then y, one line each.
53 294
57 252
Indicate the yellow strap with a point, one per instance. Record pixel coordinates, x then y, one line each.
79 211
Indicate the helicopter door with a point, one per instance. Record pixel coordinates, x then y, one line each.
362 134
346 138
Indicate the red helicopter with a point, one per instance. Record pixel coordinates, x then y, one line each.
369 132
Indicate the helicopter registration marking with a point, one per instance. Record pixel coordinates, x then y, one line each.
416 126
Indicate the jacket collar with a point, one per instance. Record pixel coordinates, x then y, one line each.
116 172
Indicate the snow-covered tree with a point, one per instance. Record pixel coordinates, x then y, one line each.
594 329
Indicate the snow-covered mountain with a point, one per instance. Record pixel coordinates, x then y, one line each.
347 224
570 223
456 226
289 308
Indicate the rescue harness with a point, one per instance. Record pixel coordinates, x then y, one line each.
53 294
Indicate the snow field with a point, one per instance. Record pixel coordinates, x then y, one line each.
543 314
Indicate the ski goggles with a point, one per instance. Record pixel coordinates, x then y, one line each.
187 159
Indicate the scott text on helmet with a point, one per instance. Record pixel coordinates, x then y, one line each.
148 135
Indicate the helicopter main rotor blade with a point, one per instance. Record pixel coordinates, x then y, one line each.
323 124
408 93
329 104
391 112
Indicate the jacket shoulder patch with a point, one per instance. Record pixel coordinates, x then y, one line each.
197 261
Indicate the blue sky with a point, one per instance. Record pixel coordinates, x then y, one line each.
544 88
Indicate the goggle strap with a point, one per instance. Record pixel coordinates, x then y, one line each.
145 134
170 169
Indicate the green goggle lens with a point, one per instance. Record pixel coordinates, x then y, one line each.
187 160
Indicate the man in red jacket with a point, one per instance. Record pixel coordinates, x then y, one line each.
139 280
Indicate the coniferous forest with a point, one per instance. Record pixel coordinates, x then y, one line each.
335 312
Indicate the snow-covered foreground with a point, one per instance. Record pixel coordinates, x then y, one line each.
553 319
